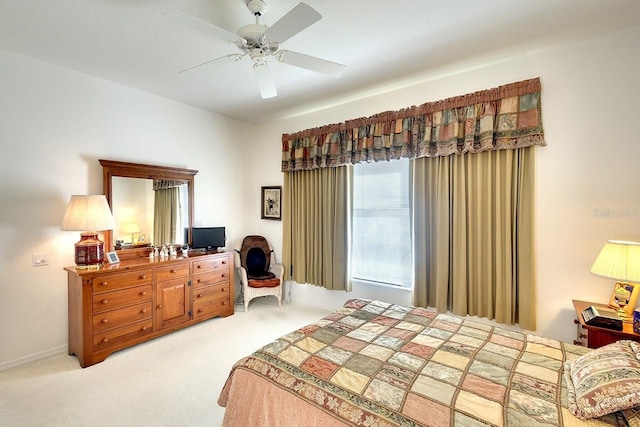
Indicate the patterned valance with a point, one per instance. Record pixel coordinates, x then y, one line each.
163 184
506 117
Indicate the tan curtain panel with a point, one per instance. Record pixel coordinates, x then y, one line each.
506 117
472 197
163 184
316 226
167 215
473 233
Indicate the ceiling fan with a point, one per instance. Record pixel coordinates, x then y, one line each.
259 42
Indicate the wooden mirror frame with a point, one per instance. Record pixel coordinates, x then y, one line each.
111 168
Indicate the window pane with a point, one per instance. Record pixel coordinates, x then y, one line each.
381 238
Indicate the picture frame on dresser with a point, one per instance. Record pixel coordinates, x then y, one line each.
634 289
112 258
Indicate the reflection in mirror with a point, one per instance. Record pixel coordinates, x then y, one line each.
170 212
149 211
132 206
150 204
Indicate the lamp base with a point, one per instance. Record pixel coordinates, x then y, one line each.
89 250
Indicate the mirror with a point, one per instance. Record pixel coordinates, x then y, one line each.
133 191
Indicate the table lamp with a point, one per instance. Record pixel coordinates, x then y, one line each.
88 214
620 261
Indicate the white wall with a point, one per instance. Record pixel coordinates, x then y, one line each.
54 126
56 123
589 99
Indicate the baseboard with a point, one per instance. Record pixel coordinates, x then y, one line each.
32 357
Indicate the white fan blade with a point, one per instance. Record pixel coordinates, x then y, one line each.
266 81
298 18
205 26
310 63
218 61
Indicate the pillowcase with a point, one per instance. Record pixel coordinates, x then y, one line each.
604 380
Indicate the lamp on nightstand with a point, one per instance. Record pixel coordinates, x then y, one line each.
86 214
620 261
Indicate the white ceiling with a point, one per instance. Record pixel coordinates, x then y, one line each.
134 43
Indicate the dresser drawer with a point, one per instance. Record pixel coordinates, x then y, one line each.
210 300
172 271
210 278
212 306
220 263
117 337
124 297
211 292
110 282
115 318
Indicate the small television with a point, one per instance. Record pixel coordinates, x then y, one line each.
207 238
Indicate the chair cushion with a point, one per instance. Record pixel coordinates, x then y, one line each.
256 262
255 257
264 283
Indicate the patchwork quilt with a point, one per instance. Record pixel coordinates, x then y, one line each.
377 364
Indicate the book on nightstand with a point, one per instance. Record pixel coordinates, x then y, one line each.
602 317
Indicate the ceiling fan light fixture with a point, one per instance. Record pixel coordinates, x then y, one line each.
266 82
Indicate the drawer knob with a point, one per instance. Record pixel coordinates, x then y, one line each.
105 321
144 328
582 335
105 283
224 262
223 275
105 340
143 293
200 295
173 270
224 303
576 321
144 310
199 266
199 310
104 301
223 290
160 306
144 276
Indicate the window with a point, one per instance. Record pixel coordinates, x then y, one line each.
381 236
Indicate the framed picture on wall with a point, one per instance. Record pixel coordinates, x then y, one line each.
271 203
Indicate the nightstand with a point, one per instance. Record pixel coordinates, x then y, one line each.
593 336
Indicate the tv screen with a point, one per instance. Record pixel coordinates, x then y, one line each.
208 238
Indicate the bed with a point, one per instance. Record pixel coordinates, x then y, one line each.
377 364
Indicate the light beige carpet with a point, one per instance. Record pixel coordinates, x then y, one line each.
174 380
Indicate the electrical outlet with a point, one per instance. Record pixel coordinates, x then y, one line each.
40 259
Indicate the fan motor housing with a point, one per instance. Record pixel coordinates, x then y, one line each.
253 34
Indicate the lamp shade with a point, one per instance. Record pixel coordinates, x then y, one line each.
86 213
618 260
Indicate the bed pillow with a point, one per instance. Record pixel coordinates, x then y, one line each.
604 380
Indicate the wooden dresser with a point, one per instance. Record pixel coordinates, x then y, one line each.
120 305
